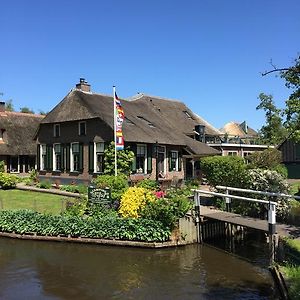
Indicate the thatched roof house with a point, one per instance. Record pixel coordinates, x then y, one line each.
150 122
17 138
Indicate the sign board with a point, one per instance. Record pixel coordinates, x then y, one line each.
99 196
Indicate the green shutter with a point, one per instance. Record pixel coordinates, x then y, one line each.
49 157
62 157
80 157
169 160
179 161
38 156
67 146
149 159
133 166
91 157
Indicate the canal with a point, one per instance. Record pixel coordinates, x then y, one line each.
52 270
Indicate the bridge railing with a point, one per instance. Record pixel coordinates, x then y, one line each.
228 197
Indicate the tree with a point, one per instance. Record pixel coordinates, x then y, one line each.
9 106
124 160
26 110
291 75
273 132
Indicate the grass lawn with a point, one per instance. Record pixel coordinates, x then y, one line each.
41 202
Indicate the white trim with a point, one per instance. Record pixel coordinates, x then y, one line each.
95 156
42 165
54 157
177 160
240 145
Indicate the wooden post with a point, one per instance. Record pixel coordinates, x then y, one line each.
228 201
272 231
197 216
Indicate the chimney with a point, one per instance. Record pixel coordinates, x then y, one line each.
83 85
2 106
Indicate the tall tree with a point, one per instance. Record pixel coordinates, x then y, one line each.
291 112
26 110
9 106
273 131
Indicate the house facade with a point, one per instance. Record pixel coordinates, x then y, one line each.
290 151
72 138
237 139
17 146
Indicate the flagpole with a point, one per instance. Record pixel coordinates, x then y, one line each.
115 135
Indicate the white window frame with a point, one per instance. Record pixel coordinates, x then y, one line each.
42 165
72 157
54 130
236 153
146 156
177 160
82 122
54 157
95 155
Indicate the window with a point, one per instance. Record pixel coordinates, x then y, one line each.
56 130
43 157
1 134
82 128
75 157
245 155
141 158
148 122
99 159
297 151
173 161
57 156
232 153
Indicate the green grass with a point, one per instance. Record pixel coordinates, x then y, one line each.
292 274
295 187
40 202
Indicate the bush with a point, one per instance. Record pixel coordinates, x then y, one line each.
44 185
148 184
25 221
117 184
168 210
2 164
8 181
225 170
81 188
133 201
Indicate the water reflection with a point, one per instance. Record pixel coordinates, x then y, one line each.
43 270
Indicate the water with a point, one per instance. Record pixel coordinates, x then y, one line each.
49 270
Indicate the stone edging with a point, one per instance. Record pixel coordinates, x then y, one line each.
49 191
113 242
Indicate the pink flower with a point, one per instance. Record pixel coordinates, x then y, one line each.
160 194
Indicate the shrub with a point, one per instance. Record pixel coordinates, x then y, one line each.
225 170
81 188
76 208
44 185
117 184
167 210
8 181
2 164
111 227
148 184
133 201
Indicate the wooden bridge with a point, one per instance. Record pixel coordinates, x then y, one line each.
282 230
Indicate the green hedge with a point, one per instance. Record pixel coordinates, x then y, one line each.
26 221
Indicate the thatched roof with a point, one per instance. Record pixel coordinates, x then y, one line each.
241 130
148 119
18 132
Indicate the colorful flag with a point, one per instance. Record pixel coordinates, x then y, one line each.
119 118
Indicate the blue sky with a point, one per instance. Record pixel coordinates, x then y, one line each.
208 54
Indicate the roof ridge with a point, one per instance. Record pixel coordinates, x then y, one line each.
140 95
22 114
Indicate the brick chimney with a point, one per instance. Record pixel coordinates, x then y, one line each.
83 85
2 106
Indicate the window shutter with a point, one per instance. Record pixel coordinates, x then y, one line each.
49 157
38 157
149 159
169 160
91 157
62 155
179 161
80 157
133 167
67 166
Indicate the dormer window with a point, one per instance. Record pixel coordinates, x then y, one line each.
189 116
1 133
150 124
82 128
56 130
